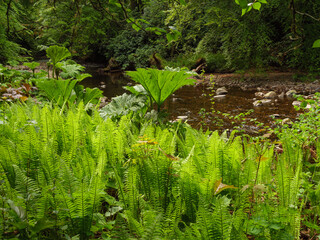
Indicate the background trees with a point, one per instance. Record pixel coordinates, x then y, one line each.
280 35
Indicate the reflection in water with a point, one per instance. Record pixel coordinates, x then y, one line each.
189 100
111 84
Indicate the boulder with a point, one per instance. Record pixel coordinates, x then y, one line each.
290 93
262 102
271 95
221 91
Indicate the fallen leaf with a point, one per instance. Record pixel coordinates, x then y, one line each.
219 186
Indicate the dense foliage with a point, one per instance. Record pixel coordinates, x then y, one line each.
71 171
77 175
136 33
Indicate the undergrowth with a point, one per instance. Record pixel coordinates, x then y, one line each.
74 175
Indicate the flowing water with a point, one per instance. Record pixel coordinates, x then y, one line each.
189 101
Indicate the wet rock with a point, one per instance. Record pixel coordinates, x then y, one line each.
257 103
275 115
290 93
286 121
262 102
271 95
177 100
259 94
221 91
219 97
282 95
182 118
266 101
296 103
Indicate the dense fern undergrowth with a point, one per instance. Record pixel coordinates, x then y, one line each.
71 171
74 175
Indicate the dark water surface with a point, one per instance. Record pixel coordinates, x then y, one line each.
189 100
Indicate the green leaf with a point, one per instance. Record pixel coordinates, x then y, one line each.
257 6
13 63
70 70
123 105
244 11
316 44
243 4
136 90
58 91
57 54
263 1
31 65
160 84
303 104
173 35
183 2
136 26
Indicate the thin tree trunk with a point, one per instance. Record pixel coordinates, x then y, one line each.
8 17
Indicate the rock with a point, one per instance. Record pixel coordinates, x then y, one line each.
259 89
290 93
286 121
259 94
281 96
262 102
316 81
257 103
271 95
275 115
177 100
265 101
218 97
221 91
182 118
103 86
296 103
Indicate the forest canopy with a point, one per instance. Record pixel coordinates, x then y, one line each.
179 33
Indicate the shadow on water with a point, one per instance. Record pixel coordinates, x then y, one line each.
189 101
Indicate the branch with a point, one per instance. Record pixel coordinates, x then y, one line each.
127 17
101 9
308 15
